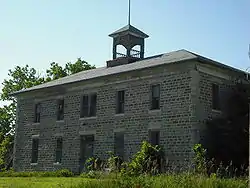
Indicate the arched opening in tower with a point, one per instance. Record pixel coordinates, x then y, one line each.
121 51
135 51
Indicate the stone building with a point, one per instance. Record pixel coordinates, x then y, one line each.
164 99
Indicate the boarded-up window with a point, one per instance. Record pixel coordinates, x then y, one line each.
154 137
120 102
37 113
119 144
34 156
60 109
88 105
155 97
215 97
59 143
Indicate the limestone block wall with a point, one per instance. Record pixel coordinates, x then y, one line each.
182 90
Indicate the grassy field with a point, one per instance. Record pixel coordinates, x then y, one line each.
39 182
178 181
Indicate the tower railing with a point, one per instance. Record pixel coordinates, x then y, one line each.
133 53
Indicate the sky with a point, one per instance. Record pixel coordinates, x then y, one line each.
44 31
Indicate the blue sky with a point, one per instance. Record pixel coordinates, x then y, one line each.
39 32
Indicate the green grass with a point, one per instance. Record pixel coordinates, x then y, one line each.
39 182
168 181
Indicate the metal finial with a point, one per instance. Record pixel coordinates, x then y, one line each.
128 12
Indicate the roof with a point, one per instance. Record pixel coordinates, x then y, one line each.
167 58
130 29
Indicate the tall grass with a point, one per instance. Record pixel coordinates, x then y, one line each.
161 181
168 181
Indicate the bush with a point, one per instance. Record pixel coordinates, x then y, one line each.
200 159
95 164
149 160
58 173
114 163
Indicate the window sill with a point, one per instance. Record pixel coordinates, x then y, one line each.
33 164
59 121
87 118
155 111
37 123
119 115
57 164
217 111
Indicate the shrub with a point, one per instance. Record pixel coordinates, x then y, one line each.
200 159
64 173
58 173
95 164
114 163
149 160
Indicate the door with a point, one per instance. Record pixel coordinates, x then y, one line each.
86 150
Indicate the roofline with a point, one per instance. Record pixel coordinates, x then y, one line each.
155 56
203 59
199 58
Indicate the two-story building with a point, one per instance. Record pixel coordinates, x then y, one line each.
164 99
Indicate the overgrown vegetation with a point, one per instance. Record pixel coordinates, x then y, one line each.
166 181
144 170
226 138
58 173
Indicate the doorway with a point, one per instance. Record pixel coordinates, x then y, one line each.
86 150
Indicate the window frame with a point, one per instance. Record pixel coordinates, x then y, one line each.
37 117
120 102
60 112
118 152
157 99
58 156
157 137
88 109
34 150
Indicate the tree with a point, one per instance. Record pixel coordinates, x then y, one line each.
56 71
22 78
227 136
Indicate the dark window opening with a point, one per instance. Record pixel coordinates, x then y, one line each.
86 150
88 105
120 102
154 137
34 156
215 97
92 110
60 109
119 144
155 97
59 143
37 113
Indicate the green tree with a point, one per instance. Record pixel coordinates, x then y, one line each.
22 78
227 136
56 71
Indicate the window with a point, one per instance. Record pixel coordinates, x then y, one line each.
88 105
92 106
120 102
37 113
154 137
34 156
119 144
215 97
155 97
59 150
60 109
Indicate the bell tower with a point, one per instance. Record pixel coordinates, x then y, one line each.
128 37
